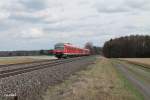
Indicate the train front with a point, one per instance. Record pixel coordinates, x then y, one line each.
59 50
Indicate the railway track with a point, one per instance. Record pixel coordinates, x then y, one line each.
33 66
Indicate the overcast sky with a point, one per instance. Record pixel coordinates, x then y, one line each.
39 24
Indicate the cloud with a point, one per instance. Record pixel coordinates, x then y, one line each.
111 6
31 33
138 4
36 24
34 5
122 6
27 18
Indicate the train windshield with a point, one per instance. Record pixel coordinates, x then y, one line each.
59 46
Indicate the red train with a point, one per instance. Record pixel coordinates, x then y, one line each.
64 50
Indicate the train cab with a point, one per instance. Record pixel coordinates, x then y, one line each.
58 50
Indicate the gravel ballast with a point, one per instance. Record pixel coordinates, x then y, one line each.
31 85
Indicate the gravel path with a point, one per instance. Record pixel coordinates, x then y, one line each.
31 85
136 78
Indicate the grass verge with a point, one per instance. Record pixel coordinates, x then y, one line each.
140 73
129 86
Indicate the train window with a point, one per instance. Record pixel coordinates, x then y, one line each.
59 47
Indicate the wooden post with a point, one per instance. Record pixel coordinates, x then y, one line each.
16 98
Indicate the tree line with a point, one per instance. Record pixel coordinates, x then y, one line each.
128 47
25 53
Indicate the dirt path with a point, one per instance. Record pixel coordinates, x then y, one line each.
137 77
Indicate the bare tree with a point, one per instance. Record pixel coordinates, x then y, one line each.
89 45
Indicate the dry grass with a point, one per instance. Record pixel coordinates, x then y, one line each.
14 60
100 81
141 61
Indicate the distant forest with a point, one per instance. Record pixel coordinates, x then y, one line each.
24 53
128 47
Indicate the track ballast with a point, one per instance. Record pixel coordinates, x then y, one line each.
32 66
